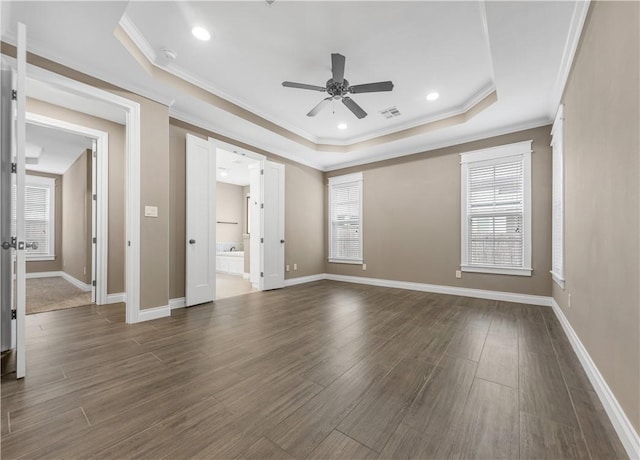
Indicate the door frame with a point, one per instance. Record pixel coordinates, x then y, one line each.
261 159
99 221
132 174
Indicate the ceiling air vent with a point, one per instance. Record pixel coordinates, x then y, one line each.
390 112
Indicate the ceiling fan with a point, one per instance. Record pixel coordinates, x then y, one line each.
338 88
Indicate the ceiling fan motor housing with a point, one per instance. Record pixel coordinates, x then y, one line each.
337 90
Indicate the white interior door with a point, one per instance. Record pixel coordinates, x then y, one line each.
21 244
200 282
6 254
273 226
94 222
255 193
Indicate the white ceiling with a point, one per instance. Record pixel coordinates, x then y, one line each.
58 149
233 168
463 50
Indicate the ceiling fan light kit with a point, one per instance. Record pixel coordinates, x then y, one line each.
338 87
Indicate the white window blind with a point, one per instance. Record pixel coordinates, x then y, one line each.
557 217
345 219
39 215
495 234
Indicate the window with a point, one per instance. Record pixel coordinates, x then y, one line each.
496 210
39 216
557 217
345 219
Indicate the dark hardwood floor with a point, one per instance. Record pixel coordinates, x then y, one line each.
322 370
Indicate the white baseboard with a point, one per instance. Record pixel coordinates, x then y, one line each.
154 313
180 302
627 434
76 282
304 279
450 290
116 298
54 274
245 276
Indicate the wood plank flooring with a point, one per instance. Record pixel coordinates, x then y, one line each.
322 370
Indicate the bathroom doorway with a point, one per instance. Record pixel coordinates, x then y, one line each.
237 207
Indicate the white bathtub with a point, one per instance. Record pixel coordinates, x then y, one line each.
231 262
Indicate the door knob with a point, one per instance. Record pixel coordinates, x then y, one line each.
32 245
7 245
282 241
192 241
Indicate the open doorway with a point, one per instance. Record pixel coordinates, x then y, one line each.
58 219
237 208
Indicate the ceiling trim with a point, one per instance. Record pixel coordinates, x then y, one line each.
186 121
440 145
206 94
576 25
63 66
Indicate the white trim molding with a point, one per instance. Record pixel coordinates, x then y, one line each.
116 298
51 274
627 434
179 302
76 282
543 301
149 314
304 279
132 174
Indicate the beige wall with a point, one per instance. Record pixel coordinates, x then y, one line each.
56 264
116 212
76 219
602 261
229 204
304 200
411 218
154 191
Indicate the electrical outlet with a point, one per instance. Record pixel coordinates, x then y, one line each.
458 274
286 268
295 267
364 266
569 301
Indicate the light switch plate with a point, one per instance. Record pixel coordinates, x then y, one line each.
151 211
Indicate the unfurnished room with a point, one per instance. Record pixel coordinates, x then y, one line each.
320 229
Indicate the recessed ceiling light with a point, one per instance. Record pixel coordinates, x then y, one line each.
342 126
432 96
201 33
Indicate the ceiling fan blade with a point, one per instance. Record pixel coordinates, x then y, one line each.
314 111
355 108
337 67
290 84
372 87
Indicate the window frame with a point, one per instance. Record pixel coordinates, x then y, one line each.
557 200
341 180
497 155
50 184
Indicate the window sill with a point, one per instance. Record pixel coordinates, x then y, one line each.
496 270
344 261
558 280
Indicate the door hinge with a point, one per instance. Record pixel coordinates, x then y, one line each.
14 95
93 283
261 205
95 240
261 274
14 168
14 314
95 154
262 172
95 197
262 240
